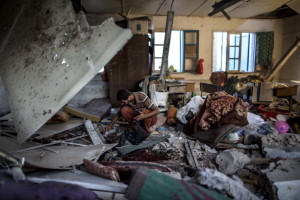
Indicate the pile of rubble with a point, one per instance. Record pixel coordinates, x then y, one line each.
246 162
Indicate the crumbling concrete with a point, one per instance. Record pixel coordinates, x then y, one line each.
47 55
213 179
231 160
282 179
281 145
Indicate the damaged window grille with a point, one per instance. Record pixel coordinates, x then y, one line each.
234 52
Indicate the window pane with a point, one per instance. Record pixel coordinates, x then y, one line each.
219 51
234 52
159 37
233 64
190 38
234 40
174 52
158 51
191 51
248 52
190 64
157 63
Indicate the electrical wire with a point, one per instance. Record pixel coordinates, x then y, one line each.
172 5
198 7
160 6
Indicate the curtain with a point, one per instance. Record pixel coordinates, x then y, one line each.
264 50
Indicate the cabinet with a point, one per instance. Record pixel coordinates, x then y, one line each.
128 67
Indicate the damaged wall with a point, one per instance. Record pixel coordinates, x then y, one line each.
291 70
207 25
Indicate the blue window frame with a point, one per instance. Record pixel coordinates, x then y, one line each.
234 52
183 51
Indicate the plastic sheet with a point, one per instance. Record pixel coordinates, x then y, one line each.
194 106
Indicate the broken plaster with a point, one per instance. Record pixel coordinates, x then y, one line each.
45 62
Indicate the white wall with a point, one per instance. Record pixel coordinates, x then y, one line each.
291 70
207 26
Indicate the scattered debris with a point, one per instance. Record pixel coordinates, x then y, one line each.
52 129
281 145
191 156
59 157
145 181
231 160
213 179
101 170
83 179
92 132
146 143
125 166
281 180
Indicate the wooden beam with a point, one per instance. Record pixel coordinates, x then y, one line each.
80 114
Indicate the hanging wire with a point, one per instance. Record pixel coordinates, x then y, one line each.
172 5
160 6
198 7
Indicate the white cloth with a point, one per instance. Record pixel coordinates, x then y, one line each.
193 105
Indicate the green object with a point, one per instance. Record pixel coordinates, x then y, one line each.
130 148
264 49
149 184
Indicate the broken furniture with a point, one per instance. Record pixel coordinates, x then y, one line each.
128 67
176 94
286 92
229 87
95 110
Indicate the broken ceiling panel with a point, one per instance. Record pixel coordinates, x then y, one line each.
242 9
252 8
295 5
47 55
53 157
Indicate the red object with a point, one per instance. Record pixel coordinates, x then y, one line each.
200 66
267 112
128 114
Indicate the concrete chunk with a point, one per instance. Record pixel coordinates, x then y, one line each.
47 55
282 179
281 145
231 160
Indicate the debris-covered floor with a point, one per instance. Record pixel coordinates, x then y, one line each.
253 161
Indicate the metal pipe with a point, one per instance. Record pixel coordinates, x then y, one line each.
168 31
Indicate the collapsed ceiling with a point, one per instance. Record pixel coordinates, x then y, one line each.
200 8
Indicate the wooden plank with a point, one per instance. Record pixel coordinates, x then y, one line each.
92 132
81 114
191 156
99 133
